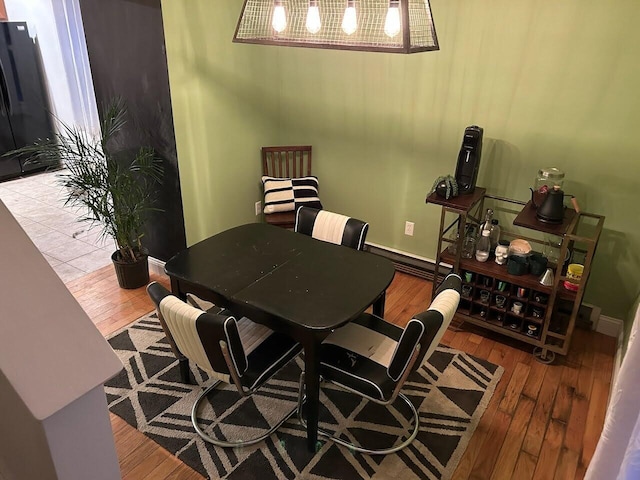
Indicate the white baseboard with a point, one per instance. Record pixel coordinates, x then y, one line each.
613 327
617 361
403 253
156 266
610 326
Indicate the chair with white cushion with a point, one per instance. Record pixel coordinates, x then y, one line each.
287 182
373 358
238 352
331 227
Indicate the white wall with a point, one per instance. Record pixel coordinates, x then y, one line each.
56 26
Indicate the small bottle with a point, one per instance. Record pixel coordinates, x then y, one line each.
494 236
484 247
486 225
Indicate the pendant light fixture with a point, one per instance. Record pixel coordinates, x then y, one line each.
350 19
279 20
393 26
313 17
392 22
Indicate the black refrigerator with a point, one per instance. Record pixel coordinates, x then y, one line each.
24 108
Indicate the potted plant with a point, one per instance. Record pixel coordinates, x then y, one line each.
115 189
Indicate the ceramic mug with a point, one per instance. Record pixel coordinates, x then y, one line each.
537 264
468 277
522 292
500 301
516 307
517 265
484 295
502 286
466 291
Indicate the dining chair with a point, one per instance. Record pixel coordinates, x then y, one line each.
373 358
331 227
285 162
237 352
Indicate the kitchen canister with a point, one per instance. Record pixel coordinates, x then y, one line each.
517 264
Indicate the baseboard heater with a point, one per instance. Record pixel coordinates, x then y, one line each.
407 264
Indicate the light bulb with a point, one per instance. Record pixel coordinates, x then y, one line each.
350 19
392 22
279 21
313 17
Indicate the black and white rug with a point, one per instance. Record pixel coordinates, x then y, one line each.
451 393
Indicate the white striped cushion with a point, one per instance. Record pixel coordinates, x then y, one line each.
181 321
329 227
446 303
252 334
287 194
364 341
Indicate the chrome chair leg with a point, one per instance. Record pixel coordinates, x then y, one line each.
358 448
230 443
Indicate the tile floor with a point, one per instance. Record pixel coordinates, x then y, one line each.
72 248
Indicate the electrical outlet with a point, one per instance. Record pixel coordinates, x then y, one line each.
408 228
258 207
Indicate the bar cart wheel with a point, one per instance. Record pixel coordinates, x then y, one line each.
543 355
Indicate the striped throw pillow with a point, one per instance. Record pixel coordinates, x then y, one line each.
287 194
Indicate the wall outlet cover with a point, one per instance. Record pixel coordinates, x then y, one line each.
408 228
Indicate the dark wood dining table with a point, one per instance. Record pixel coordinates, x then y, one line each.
287 281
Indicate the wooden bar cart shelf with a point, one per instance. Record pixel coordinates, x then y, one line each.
547 315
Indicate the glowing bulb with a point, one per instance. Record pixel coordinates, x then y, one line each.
350 19
279 21
392 22
313 17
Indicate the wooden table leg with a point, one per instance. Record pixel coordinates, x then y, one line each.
378 305
312 387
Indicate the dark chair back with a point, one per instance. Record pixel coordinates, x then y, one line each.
286 161
331 227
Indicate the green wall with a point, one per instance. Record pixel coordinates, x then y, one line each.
552 84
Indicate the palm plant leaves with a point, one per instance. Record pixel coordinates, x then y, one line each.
112 190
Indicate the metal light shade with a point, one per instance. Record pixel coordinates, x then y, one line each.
417 31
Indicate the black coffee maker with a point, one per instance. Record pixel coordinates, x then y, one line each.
469 159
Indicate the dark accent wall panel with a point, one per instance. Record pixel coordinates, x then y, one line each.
125 41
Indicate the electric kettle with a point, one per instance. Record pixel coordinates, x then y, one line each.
552 208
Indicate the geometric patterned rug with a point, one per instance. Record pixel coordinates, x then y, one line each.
451 393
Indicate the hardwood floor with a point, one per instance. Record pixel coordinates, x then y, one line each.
543 422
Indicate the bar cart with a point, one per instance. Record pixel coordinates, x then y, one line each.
545 316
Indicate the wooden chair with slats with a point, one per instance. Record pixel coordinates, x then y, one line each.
285 162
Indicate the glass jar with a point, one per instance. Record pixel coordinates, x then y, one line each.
454 237
469 243
549 176
483 248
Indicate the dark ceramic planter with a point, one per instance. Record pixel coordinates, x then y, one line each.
131 275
